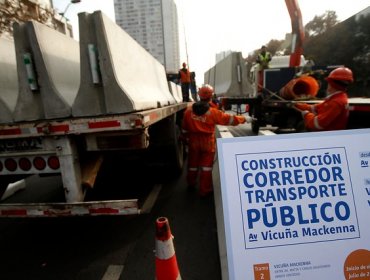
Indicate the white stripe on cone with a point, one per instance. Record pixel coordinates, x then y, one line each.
164 250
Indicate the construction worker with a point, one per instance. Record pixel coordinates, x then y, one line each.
332 114
184 77
198 127
263 59
215 102
307 67
193 87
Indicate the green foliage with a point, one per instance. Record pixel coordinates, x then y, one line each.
274 47
330 42
346 43
12 11
361 58
321 24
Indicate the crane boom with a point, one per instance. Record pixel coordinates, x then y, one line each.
298 33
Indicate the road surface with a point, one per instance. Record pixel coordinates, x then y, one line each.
111 248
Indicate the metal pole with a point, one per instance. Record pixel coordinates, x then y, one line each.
186 44
65 10
69 4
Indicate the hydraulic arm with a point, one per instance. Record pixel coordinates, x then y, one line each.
297 32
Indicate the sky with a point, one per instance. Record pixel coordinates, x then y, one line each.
208 27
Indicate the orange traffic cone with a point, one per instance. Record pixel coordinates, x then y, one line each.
165 258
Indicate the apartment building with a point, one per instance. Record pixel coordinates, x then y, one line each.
154 25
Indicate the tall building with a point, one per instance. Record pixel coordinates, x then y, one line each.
154 25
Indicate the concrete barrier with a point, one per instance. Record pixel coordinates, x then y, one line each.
209 77
8 80
179 92
49 72
225 77
130 79
175 91
229 77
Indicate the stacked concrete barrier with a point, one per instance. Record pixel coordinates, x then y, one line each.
128 78
8 80
209 76
229 77
175 91
48 70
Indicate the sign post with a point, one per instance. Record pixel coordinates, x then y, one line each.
297 206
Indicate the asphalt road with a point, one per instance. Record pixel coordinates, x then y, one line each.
112 248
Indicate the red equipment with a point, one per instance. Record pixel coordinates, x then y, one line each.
297 32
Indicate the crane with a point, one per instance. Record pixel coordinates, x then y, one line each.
298 33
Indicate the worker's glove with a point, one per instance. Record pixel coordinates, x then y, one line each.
249 119
304 113
289 104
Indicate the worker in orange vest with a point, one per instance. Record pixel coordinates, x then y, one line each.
332 114
198 127
185 79
215 102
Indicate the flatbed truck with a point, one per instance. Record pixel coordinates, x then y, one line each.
68 105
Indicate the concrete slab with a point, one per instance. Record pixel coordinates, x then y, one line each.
131 78
224 73
209 77
56 63
8 80
175 91
29 105
231 78
90 98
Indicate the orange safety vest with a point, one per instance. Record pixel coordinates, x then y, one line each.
184 76
332 114
200 129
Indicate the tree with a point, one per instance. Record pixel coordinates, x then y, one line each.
12 11
361 58
347 43
274 46
321 24
330 42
